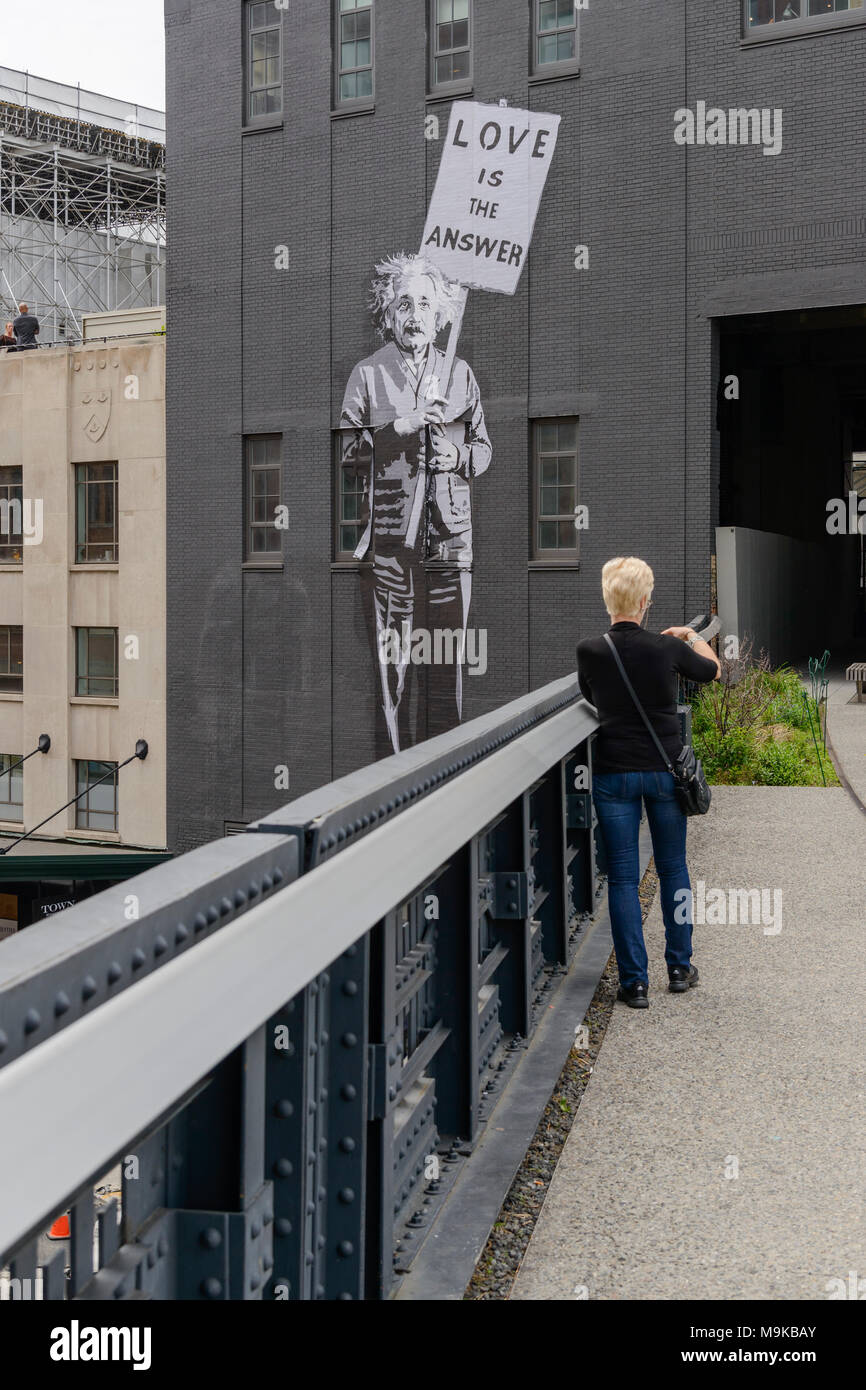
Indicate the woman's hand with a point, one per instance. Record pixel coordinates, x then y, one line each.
699 646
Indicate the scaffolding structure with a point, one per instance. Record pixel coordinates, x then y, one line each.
82 204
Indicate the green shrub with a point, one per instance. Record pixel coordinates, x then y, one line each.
779 765
727 758
788 706
753 727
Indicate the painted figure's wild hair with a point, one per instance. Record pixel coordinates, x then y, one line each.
383 291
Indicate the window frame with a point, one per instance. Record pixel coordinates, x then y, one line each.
82 806
804 27
84 484
6 760
457 84
345 105
563 67
560 558
267 118
6 641
87 678
11 544
347 557
261 559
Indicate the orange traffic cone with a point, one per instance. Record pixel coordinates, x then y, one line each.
60 1229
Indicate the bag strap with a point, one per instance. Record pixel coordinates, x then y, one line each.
638 706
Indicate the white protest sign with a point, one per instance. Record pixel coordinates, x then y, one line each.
488 189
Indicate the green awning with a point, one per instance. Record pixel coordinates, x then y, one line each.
102 867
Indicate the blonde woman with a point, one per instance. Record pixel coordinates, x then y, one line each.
628 769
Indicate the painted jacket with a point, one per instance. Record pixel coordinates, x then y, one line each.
380 390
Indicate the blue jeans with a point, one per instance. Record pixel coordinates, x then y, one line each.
617 797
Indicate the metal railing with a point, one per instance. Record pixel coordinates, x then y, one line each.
87 342
285 1038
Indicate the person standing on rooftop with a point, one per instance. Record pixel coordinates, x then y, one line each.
26 329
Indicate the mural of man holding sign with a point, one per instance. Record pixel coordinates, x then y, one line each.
412 421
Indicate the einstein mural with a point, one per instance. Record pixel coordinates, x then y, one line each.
420 441
412 421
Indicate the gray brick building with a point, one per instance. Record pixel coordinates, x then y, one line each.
296 162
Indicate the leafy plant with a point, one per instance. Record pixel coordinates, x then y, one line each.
723 757
743 694
752 726
780 765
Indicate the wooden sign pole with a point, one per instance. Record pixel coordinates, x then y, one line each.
440 385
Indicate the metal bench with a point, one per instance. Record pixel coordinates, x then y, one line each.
857 672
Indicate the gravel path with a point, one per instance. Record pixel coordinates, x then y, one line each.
501 1256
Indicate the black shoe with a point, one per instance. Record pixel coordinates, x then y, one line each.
634 995
681 979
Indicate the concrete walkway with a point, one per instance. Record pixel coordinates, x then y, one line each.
720 1148
846 726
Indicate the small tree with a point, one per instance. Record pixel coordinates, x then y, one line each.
740 699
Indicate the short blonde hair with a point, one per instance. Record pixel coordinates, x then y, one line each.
624 582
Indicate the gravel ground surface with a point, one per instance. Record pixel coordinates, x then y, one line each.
501 1256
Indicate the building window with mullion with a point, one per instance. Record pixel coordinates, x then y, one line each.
451 43
354 51
12 660
760 13
97 807
11 788
264 62
554 469
96 514
263 492
555 35
96 673
11 538
352 498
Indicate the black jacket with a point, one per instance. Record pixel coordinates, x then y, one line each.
652 663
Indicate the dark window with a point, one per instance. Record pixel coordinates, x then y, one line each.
11 788
11 539
97 809
96 514
451 31
354 50
264 67
12 659
96 662
262 462
555 33
554 468
762 12
352 510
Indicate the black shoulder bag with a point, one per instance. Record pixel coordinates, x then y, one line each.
692 789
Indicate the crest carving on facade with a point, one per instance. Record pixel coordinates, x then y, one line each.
95 399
